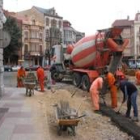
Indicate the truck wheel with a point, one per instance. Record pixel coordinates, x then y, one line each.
85 83
55 76
76 79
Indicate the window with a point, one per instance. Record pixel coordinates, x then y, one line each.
40 36
47 21
138 17
26 34
60 24
26 48
47 34
53 23
34 34
40 48
34 47
33 21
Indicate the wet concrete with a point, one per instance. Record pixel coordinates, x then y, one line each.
125 124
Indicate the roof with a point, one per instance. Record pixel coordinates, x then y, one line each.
44 11
137 16
123 22
49 12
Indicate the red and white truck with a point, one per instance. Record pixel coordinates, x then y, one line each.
89 57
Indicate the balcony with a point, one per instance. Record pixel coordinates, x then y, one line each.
34 27
33 53
26 39
35 40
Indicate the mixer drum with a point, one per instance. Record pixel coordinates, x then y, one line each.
84 53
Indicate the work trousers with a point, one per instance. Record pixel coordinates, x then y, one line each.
95 99
20 83
113 90
41 83
132 102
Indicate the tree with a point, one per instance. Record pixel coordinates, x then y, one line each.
12 27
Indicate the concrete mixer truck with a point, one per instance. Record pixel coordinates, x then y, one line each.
89 57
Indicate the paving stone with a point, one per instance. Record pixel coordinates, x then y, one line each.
13 109
27 137
16 122
24 128
6 131
18 114
13 105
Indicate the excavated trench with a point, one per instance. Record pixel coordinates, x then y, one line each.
122 122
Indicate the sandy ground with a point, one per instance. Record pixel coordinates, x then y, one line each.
92 127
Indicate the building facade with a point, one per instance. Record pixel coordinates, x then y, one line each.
71 36
69 33
132 32
32 50
46 33
136 36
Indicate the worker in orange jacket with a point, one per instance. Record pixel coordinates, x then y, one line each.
41 77
20 76
113 88
95 88
137 75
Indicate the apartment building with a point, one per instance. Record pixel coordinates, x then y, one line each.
71 36
132 32
32 40
42 29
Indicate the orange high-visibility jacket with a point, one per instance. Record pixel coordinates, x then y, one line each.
40 73
21 73
111 79
137 75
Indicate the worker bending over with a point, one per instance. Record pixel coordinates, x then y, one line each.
41 77
137 74
113 88
20 76
95 88
130 93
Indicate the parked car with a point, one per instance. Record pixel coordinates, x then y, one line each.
7 68
15 68
34 68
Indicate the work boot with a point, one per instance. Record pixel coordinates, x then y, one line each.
127 116
135 119
97 111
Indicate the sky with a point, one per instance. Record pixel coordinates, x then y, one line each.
85 15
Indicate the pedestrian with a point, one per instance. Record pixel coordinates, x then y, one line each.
130 93
20 76
112 87
137 75
95 88
41 77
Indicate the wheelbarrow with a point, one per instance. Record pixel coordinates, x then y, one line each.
67 118
30 83
30 88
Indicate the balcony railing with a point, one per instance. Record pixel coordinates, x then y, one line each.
33 53
35 40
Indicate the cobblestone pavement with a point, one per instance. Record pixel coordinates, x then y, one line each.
16 121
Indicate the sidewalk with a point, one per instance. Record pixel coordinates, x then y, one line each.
16 122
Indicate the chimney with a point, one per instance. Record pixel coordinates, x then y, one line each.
127 17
